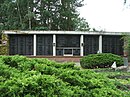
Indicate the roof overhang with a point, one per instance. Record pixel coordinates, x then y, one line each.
67 32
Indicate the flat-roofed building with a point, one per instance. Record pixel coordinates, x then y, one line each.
64 43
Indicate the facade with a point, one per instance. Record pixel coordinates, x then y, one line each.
64 43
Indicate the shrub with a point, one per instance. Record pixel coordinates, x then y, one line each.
102 60
24 63
4 47
44 78
3 50
13 61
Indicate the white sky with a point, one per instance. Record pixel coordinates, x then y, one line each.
108 15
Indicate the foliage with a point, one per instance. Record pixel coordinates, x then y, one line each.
126 38
44 78
4 47
82 25
101 60
3 50
122 79
39 14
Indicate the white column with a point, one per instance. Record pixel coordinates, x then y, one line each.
34 45
81 45
100 44
54 45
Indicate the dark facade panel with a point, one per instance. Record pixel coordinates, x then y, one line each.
76 52
113 44
44 44
29 45
21 44
91 44
59 52
70 42
13 44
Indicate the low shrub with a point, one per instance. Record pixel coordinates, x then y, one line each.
23 63
102 60
13 61
44 78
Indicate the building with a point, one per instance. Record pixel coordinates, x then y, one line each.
64 43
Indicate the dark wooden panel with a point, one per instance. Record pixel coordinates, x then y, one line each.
91 44
113 44
44 44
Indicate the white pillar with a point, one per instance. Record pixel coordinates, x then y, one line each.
81 45
54 45
100 44
34 45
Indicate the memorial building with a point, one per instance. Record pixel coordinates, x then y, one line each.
64 43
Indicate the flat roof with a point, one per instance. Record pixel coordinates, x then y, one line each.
67 32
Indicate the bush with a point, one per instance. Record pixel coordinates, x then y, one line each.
4 47
102 60
3 50
13 61
44 78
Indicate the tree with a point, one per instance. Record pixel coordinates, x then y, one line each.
41 15
126 39
82 25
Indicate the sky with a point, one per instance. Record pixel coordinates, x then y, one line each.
107 15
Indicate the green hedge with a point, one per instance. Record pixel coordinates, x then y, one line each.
24 77
102 60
